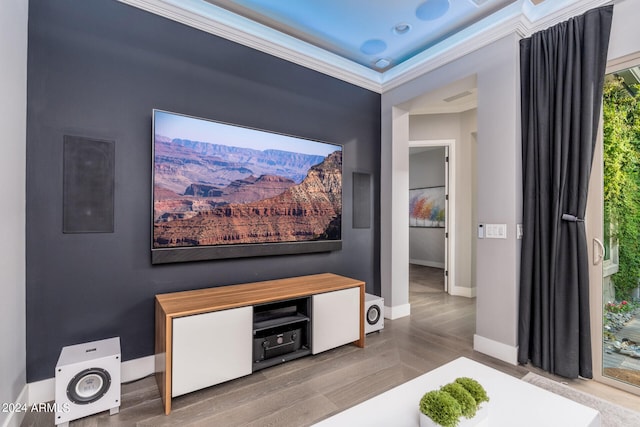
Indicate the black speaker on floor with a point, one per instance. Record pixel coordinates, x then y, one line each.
361 200
88 185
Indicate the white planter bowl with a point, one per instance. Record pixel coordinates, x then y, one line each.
481 419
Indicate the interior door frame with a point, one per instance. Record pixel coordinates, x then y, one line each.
595 230
446 220
450 191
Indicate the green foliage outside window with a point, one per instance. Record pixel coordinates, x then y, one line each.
621 111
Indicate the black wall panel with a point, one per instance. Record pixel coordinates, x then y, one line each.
96 70
361 200
87 187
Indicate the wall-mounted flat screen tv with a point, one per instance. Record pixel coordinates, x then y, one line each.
228 191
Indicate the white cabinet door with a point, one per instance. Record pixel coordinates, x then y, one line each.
335 319
211 348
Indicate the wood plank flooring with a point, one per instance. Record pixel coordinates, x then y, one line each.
304 391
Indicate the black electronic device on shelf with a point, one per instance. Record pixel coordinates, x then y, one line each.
280 332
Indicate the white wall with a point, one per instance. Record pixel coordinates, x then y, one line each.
394 228
13 87
427 245
498 180
467 199
625 31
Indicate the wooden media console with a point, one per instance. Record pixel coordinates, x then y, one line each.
207 336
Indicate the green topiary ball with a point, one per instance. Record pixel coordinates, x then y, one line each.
476 390
441 407
465 399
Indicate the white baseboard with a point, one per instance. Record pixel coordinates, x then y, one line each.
427 263
42 391
134 369
15 417
397 311
496 349
461 291
131 370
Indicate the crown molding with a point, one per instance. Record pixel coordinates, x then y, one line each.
220 22
459 45
550 13
521 18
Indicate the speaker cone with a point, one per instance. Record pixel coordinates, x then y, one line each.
88 386
373 314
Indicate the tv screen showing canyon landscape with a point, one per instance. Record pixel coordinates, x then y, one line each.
227 191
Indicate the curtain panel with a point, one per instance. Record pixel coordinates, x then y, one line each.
562 74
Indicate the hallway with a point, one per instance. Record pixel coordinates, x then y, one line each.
435 311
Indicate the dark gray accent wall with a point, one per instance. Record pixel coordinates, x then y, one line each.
96 69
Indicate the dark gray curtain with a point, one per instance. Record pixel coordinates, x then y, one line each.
562 73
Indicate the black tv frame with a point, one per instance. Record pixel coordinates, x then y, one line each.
217 252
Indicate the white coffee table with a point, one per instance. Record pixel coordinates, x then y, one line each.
513 402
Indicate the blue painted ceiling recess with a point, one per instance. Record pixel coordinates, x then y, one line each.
378 34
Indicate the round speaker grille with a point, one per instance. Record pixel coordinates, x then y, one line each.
88 386
373 314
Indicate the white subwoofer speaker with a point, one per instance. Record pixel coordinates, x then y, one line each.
87 380
373 313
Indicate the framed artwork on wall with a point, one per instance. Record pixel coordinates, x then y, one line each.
427 207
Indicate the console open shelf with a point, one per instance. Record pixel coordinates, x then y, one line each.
282 321
281 332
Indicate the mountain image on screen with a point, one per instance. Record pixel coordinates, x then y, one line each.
214 194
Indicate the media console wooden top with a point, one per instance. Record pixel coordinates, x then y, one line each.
186 303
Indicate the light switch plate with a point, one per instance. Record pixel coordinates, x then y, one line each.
495 231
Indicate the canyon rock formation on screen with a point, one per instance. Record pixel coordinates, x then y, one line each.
209 194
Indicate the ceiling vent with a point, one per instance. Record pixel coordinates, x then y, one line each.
458 96
382 63
479 2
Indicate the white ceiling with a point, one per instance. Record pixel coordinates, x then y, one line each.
456 97
346 38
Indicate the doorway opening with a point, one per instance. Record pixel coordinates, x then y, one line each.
430 229
440 255
613 215
621 227
447 112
